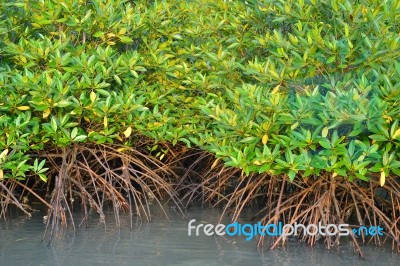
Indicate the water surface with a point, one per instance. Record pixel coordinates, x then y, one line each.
162 243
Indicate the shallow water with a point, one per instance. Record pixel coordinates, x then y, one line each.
160 242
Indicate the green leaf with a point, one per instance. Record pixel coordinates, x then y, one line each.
248 140
98 34
53 124
325 144
125 39
43 177
378 137
80 138
74 132
292 175
63 103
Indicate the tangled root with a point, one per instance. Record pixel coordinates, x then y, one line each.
98 176
130 179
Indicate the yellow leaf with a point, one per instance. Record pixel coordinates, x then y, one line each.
382 179
23 59
3 155
23 108
188 99
387 118
92 96
287 9
48 80
122 31
264 139
214 163
265 126
1 174
46 113
275 99
396 134
217 110
350 44
276 89
273 73
325 132
293 127
128 132
105 121
346 30
256 162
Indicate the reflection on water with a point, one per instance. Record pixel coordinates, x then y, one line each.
160 242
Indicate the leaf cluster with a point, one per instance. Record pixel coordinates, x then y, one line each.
284 87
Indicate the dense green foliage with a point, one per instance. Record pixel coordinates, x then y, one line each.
285 87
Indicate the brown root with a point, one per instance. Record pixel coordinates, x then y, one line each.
100 176
321 199
130 180
7 197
